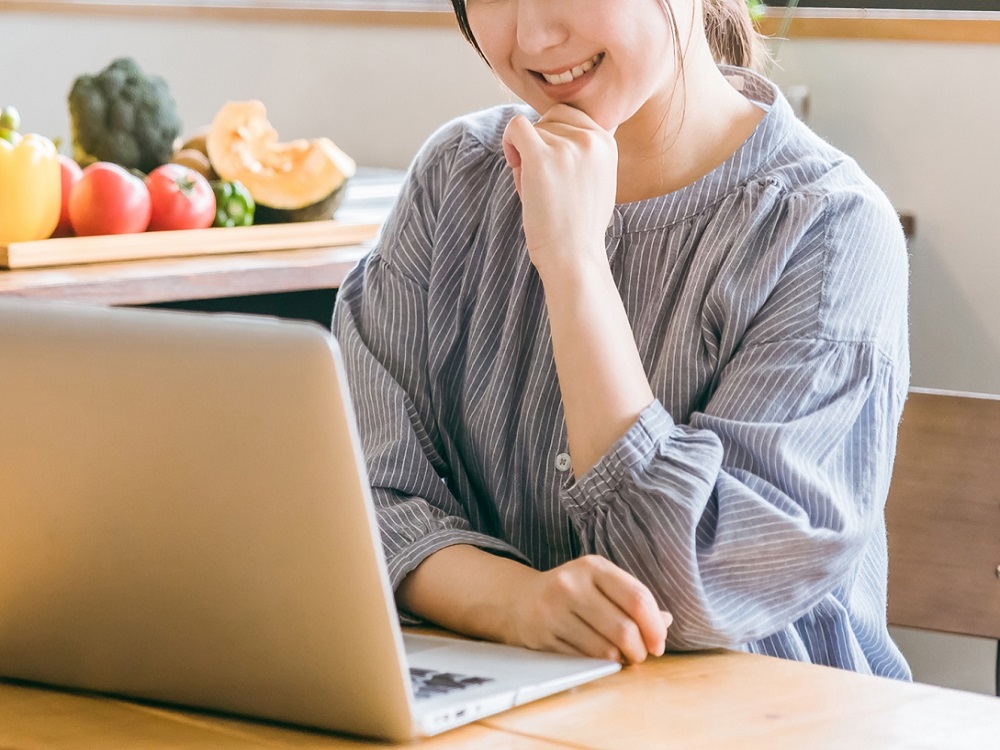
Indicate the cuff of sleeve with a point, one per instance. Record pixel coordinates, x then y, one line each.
627 457
407 559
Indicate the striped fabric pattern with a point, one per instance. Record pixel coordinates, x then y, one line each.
769 304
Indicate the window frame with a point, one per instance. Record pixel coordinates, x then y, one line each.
963 6
805 23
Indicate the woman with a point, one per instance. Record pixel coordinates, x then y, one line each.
628 361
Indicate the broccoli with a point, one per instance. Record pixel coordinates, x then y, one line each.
123 116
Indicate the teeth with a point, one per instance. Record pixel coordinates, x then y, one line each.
573 73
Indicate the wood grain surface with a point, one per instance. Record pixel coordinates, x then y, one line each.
182 243
696 701
943 515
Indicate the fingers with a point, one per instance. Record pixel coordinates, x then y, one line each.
637 604
668 620
510 151
581 635
592 607
560 122
516 136
566 113
613 627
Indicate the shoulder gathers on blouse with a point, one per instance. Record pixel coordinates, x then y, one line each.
769 305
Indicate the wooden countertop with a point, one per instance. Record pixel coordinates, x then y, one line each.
369 197
697 701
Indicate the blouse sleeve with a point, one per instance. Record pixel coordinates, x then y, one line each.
380 322
744 518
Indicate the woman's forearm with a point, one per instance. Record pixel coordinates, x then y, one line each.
466 590
604 386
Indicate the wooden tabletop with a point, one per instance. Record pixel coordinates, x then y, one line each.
369 197
698 701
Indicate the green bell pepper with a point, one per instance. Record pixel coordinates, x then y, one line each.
234 206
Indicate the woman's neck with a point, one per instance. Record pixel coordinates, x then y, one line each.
706 121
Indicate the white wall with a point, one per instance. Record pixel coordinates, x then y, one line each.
920 118
377 92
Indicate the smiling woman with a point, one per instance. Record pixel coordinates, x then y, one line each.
629 357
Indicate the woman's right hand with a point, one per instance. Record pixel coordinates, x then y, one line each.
589 607
565 170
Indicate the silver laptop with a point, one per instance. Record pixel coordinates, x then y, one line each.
185 518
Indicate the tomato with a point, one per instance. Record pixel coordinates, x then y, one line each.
109 200
182 198
71 174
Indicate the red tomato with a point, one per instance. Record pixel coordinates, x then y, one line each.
71 174
182 198
109 200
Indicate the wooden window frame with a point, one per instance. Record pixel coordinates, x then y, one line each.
806 23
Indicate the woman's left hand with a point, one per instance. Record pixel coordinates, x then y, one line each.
565 169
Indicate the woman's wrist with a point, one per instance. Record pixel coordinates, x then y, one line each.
584 271
467 590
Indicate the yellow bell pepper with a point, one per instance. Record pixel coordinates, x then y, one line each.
30 189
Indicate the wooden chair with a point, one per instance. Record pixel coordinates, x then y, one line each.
943 516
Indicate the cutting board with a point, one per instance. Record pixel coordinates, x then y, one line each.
216 241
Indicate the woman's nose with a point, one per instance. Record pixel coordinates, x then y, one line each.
541 24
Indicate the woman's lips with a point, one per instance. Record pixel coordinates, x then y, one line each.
571 80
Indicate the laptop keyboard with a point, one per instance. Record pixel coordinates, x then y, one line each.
428 683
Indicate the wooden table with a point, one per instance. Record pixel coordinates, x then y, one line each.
164 281
704 701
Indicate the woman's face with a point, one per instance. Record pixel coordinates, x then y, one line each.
608 58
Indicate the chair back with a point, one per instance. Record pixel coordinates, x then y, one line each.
943 515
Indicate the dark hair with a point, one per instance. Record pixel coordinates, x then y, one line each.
463 24
731 34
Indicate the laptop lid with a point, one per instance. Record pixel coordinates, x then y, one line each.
182 509
185 517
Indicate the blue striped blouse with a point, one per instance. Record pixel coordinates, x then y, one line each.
769 305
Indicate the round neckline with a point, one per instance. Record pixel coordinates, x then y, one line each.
742 165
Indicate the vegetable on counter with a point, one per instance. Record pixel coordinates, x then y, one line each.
193 152
109 200
71 174
124 116
181 198
234 206
30 189
302 180
195 160
10 124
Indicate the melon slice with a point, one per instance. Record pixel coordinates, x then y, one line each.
301 180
